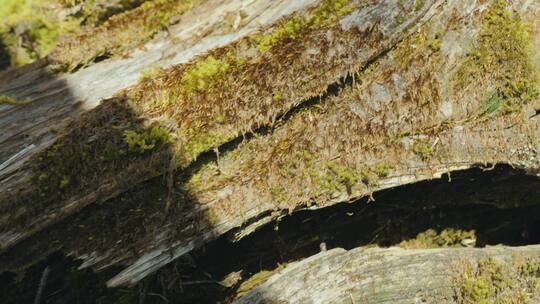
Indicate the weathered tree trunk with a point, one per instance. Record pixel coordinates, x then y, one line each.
252 118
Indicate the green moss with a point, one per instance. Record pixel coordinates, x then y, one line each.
422 147
368 70
368 177
417 45
30 29
33 29
325 14
483 284
333 176
278 96
493 281
279 194
342 174
64 182
327 177
418 4
199 143
6 99
119 33
140 142
383 169
291 29
256 280
447 238
504 53
204 75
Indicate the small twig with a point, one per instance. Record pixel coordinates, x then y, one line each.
352 298
42 284
157 295
202 282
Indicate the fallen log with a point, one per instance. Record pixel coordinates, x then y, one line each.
395 275
307 113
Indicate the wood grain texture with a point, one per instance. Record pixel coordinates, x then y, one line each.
379 275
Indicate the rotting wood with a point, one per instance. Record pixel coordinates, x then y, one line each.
250 113
398 121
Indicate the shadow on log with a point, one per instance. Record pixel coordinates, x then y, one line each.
5 59
477 208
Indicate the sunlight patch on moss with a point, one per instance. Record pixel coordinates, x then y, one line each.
446 238
205 75
140 142
150 73
493 281
31 29
119 33
197 144
256 280
325 14
504 53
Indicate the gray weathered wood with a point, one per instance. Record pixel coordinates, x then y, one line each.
239 194
379 275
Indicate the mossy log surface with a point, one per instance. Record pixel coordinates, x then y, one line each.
216 128
465 275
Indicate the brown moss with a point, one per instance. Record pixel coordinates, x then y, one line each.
119 33
202 119
420 44
206 117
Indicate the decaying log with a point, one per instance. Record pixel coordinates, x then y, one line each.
16 176
382 94
396 275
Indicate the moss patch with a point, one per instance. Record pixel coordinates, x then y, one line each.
197 144
140 142
30 29
119 33
325 14
7 99
256 280
125 152
228 91
447 238
422 147
421 43
205 75
493 281
503 52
